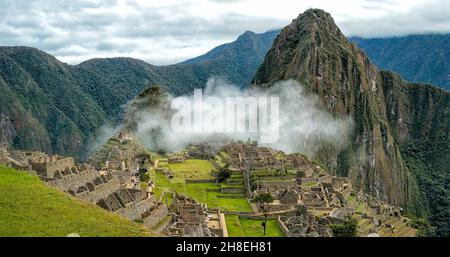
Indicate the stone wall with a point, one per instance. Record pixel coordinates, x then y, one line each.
73 181
282 226
346 192
268 183
281 207
47 166
102 191
232 190
195 181
159 213
134 211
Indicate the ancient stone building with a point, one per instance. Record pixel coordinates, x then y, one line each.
51 166
176 159
192 219
302 224
115 165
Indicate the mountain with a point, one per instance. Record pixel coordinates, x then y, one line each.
238 60
419 116
402 130
42 105
115 81
419 58
58 108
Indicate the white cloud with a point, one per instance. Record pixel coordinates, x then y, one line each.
424 18
168 31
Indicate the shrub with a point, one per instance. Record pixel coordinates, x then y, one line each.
345 229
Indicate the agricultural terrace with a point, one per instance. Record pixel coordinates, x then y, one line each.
195 169
202 192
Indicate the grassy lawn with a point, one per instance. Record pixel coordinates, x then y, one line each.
31 208
190 169
199 192
234 226
242 227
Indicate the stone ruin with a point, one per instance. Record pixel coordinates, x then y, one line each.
242 154
7 159
165 171
203 151
296 204
192 219
176 159
99 187
48 167
303 224
115 165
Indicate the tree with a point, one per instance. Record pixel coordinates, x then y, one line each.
224 173
424 229
347 228
263 200
143 175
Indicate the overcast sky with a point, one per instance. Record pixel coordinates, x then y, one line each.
169 31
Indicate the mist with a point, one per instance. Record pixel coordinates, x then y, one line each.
303 123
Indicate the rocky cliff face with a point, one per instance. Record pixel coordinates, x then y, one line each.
419 116
313 51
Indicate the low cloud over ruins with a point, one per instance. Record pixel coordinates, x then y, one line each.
303 124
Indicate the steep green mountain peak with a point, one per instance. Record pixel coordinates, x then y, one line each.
401 133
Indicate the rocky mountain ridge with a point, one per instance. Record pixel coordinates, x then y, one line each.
313 51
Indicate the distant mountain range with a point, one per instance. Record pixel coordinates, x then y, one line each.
83 97
417 58
58 108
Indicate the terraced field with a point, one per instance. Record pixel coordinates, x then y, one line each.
113 149
190 169
401 228
203 192
364 227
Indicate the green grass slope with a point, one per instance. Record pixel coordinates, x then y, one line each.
28 207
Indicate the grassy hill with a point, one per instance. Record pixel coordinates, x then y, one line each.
31 208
